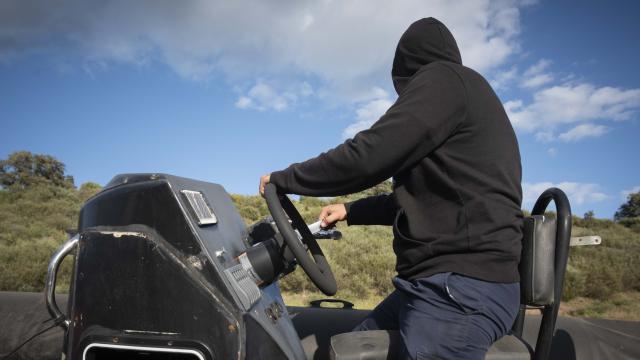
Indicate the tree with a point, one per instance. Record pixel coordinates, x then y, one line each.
630 209
24 169
589 216
87 190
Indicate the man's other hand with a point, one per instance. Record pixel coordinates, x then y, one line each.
331 214
264 180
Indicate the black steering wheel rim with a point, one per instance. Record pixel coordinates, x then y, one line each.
316 267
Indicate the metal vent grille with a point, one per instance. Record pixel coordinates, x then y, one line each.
243 285
200 207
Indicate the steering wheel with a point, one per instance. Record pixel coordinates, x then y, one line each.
317 267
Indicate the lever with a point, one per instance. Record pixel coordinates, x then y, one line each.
320 233
328 234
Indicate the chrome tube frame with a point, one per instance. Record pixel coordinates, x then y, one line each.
50 284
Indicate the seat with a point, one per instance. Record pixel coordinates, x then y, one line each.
378 344
510 347
545 249
360 345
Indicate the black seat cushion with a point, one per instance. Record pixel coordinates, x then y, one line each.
382 345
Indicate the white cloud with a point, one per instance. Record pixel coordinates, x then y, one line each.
578 193
536 80
545 136
502 79
583 131
572 103
538 68
535 76
243 102
344 47
368 113
552 152
263 96
570 107
625 193
347 45
305 89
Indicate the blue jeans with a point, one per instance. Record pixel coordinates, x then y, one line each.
446 315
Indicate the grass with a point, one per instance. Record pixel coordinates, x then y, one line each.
619 306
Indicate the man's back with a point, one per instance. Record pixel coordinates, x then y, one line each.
461 203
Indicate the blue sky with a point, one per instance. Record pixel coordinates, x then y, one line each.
227 91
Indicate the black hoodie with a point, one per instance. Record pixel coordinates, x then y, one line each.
454 159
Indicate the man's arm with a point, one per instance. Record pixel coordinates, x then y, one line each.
372 210
424 116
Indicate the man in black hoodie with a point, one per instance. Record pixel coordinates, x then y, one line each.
455 206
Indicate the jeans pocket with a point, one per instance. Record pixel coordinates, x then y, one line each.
463 294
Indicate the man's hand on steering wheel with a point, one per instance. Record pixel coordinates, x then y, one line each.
264 180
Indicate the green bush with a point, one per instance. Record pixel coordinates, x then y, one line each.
33 223
23 266
601 271
632 223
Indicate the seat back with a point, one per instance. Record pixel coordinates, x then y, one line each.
545 249
537 268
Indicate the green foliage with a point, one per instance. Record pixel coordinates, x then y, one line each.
629 213
23 169
37 205
251 208
589 216
87 190
632 223
33 221
37 212
384 187
600 271
623 306
23 266
630 209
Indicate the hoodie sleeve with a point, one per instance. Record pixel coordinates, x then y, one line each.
372 210
425 114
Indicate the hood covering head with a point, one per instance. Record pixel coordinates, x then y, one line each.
425 41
